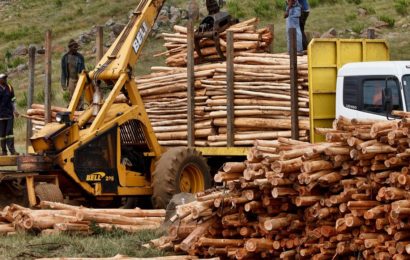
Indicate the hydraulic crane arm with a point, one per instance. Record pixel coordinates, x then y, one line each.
115 68
124 52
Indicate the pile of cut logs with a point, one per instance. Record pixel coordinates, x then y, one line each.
246 36
57 217
164 93
261 105
347 197
262 99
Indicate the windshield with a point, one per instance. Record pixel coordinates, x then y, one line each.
406 86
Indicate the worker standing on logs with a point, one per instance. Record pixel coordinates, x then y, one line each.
72 64
302 21
7 113
292 15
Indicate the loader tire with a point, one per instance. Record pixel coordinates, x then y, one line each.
48 192
179 170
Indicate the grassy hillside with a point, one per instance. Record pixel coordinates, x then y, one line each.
25 21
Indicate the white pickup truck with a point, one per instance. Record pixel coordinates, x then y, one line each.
371 89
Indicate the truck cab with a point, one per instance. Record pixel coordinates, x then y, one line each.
361 89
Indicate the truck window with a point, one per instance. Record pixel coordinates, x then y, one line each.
373 95
351 89
406 87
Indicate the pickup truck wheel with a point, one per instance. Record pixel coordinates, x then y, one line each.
179 170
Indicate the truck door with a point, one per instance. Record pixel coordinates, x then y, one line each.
406 90
363 96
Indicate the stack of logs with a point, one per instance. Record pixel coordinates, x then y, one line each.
348 197
58 217
261 105
164 93
247 38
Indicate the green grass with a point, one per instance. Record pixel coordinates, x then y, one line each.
402 6
104 244
389 20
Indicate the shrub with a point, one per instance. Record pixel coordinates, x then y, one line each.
80 11
13 63
358 28
401 6
7 56
330 1
264 9
314 3
18 33
356 2
390 21
280 5
235 9
58 3
350 17
22 101
39 97
370 10
66 96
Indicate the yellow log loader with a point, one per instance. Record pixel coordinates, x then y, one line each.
110 151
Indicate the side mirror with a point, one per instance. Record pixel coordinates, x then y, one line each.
388 101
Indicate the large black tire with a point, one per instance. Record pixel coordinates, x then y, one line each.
48 192
171 171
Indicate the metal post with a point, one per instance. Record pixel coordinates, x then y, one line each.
294 84
371 34
47 86
230 95
30 91
99 53
191 84
272 45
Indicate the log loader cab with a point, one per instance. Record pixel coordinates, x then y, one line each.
111 151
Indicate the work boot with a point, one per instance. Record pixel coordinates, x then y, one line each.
10 145
3 147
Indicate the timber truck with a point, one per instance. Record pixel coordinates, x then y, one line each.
83 159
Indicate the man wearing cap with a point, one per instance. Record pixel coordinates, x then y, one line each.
7 113
72 64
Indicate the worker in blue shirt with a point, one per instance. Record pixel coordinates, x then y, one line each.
292 15
302 21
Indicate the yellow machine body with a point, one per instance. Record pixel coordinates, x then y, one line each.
63 140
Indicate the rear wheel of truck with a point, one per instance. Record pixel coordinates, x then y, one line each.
178 170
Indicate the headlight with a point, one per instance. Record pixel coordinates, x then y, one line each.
59 118
63 118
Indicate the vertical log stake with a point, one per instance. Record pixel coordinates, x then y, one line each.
48 69
230 80
191 84
30 90
294 84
